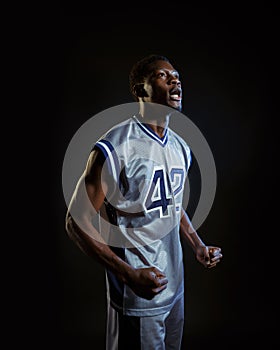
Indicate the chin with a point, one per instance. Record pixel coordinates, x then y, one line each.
177 108
175 105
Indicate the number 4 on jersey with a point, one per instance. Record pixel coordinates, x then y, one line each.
159 194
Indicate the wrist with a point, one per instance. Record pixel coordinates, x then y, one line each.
128 274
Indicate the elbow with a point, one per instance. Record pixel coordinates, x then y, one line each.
74 233
67 223
69 227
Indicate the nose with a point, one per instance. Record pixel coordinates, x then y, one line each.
175 80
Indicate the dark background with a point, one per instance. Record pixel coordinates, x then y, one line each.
224 57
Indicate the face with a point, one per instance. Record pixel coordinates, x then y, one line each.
163 85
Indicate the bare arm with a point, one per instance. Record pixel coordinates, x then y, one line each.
208 256
86 202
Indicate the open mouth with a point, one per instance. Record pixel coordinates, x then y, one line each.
175 95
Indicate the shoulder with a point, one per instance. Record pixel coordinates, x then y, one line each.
95 160
183 145
116 135
179 139
119 129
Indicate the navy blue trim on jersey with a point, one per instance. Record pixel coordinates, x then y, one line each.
110 154
116 287
149 131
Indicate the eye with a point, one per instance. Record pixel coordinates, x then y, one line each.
161 74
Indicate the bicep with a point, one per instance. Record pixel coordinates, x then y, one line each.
96 179
91 188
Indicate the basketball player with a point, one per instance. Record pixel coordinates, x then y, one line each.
134 184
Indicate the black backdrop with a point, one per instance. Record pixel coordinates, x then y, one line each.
225 70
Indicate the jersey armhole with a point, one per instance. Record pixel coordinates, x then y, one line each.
111 161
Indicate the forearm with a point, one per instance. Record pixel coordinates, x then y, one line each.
94 246
189 234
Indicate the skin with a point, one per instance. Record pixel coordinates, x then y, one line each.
161 85
157 88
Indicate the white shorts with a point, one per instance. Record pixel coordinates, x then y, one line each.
160 332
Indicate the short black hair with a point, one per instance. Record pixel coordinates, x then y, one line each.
140 70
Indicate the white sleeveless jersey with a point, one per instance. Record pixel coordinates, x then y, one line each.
144 210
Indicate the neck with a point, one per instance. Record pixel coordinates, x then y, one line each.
156 116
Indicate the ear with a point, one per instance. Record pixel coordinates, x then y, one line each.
139 90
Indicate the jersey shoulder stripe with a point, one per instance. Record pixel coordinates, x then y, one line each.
110 155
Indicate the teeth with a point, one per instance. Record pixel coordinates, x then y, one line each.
175 95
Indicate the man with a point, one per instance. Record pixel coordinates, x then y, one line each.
134 184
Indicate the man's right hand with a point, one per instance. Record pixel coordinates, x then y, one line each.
147 282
